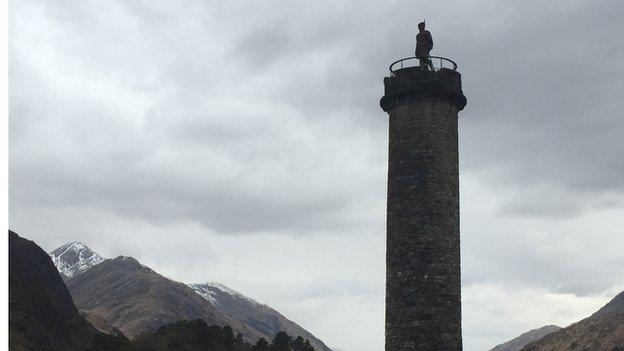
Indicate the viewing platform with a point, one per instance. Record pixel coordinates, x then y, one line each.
408 80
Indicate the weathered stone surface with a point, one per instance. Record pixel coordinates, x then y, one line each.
413 83
423 288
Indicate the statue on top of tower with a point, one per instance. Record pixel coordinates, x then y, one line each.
424 44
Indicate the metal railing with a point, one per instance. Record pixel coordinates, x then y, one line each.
413 61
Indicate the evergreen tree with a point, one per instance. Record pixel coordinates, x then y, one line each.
307 346
281 342
228 338
105 342
261 345
299 344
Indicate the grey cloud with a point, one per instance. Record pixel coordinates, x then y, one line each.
262 47
582 290
556 254
544 200
152 194
546 107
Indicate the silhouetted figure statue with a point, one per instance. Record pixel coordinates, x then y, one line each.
424 44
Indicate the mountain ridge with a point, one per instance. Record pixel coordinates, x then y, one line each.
252 313
615 306
517 343
251 317
135 299
603 330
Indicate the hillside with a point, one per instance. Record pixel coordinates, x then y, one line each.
100 323
76 258
135 299
603 330
524 339
42 315
257 316
615 306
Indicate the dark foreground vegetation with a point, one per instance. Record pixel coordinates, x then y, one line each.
197 335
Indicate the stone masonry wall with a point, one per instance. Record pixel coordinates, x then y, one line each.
423 287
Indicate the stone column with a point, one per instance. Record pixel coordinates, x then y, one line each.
423 286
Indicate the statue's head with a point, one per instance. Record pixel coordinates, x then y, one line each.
421 26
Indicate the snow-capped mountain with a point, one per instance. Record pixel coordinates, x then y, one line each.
74 258
252 313
168 300
135 299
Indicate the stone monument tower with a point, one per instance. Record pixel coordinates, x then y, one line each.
423 287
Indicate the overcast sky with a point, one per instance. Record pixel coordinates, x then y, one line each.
242 142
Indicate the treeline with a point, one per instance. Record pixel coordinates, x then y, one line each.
197 335
283 342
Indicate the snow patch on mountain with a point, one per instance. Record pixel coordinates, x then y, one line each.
252 313
74 258
205 292
210 292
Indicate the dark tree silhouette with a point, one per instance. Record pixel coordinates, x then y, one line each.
299 344
281 342
262 345
228 338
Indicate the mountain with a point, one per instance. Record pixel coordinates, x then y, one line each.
74 258
518 343
603 330
614 307
42 315
589 334
100 323
253 314
135 299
